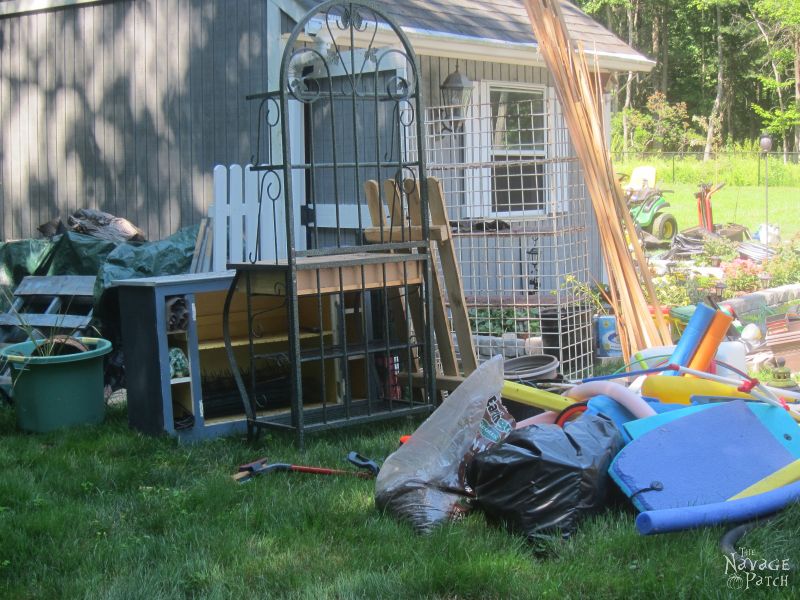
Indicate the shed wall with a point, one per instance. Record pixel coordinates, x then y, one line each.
125 106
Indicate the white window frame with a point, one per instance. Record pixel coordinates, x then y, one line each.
478 131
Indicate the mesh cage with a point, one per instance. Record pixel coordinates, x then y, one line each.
520 217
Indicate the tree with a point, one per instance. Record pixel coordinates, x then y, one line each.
779 21
710 55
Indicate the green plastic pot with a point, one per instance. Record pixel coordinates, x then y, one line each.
52 392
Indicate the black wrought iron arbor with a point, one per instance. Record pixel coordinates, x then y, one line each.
358 338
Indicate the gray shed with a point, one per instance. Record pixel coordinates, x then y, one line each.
127 106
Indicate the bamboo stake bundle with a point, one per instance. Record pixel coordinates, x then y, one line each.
578 92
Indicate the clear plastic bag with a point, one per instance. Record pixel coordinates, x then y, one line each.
424 481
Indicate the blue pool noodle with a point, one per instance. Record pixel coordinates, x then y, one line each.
692 336
732 511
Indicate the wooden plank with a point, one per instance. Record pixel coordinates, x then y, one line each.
206 264
70 109
169 32
378 235
395 300
375 206
33 135
237 211
394 200
218 211
452 279
56 285
577 87
199 245
447 383
444 342
119 189
41 320
340 276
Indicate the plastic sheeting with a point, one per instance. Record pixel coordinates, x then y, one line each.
21 258
73 253
76 254
18 259
170 256
542 478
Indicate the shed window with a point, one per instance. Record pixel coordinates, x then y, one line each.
518 150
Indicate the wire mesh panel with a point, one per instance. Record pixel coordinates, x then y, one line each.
519 211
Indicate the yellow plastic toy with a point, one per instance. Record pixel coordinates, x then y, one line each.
788 474
525 394
679 390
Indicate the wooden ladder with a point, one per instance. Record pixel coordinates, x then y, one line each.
395 230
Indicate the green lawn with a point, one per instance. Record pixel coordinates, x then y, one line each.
744 205
102 512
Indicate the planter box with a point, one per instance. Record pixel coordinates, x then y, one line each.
51 392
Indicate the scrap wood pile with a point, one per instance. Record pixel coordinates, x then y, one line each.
691 441
578 92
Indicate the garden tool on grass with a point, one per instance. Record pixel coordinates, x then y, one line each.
261 466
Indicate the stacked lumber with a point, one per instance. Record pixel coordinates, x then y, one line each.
578 92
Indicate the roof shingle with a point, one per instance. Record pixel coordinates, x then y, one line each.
501 20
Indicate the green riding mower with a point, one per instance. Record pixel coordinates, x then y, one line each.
648 206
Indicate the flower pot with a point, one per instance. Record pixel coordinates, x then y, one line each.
51 392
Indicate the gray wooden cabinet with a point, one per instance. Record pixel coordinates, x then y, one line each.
205 403
157 402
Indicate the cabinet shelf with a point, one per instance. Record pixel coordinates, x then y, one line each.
267 339
352 351
335 273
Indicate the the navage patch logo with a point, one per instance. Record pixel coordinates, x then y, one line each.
745 571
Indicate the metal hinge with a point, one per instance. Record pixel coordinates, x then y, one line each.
308 215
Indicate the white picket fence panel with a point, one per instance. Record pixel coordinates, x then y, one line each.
234 217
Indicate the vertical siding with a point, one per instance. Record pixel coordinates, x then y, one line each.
125 106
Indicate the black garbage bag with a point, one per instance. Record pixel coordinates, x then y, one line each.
543 479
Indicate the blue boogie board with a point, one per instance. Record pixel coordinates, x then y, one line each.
705 456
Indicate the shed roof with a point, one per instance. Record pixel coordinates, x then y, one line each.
503 23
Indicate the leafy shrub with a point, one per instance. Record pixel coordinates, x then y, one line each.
784 267
681 289
722 248
741 275
664 126
497 321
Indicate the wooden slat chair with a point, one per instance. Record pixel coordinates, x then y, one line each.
61 303
397 228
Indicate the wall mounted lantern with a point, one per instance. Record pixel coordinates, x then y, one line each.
456 92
